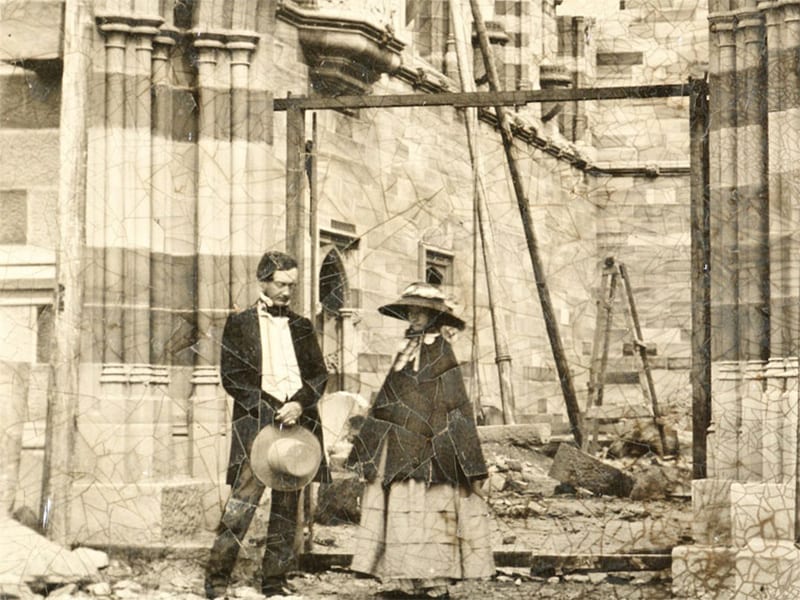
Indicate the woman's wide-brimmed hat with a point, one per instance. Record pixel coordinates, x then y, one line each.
423 295
285 458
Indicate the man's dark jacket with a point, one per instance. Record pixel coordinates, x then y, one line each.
253 409
426 420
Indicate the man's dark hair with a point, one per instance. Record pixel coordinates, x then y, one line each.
274 261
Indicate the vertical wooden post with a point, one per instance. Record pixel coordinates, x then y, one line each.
297 217
63 400
550 321
313 202
502 357
700 274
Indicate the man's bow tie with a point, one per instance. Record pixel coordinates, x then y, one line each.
274 310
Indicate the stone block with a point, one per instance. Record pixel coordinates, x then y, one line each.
27 556
141 514
788 432
14 207
767 569
580 469
750 429
703 572
118 514
762 510
18 324
27 156
724 399
711 511
183 510
531 434
31 30
90 556
100 449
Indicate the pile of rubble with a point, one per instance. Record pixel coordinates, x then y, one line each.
30 563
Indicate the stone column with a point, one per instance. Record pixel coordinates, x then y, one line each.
751 188
149 427
213 195
350 317
171 450
161 197
779 215
116 33
103 422
139 218
93 330
784 180
572 54
209 414
788 415
264 174
726 375
554 77
789 175
241 47
722 148
726 408
751 422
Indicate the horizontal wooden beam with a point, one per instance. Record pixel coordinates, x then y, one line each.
483 99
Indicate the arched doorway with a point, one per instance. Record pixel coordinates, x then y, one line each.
333 292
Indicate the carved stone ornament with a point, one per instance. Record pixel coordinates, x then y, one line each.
345 49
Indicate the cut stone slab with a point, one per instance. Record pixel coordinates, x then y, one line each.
524 434
26 556
767 569
762 510
711 509
578 469
699 570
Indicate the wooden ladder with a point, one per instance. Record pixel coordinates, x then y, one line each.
615 274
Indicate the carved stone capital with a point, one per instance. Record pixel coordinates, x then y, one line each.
115 28
241 46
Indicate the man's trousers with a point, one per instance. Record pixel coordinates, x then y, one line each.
284 533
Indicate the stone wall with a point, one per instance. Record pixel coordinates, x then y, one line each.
642 191
29 121
402 178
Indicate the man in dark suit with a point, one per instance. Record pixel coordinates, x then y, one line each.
272 366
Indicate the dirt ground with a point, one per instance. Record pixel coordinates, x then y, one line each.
529 513
183 581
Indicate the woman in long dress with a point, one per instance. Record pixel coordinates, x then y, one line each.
423 521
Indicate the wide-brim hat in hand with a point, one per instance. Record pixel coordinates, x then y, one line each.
423 295
285 458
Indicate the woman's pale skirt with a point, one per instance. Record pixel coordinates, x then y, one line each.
416 531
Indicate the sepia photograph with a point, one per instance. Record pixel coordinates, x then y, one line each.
353 299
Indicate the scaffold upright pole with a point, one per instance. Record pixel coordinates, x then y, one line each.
551 324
